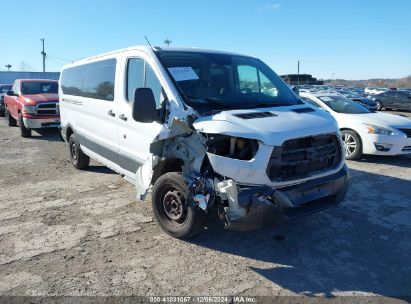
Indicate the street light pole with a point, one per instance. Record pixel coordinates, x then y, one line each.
44 56
298 73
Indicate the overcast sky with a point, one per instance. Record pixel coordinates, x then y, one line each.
351 39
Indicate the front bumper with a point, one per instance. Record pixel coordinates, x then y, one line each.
400 144
40 123
267 206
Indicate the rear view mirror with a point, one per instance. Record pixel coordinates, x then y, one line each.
144 106
10 93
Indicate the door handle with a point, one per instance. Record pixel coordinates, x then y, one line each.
111 113
123 117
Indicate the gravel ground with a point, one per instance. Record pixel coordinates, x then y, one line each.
69 232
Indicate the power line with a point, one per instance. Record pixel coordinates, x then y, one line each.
60 58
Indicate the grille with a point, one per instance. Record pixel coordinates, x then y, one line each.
406 149
406 131
50 108
304 157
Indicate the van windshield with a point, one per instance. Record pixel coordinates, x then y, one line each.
213 80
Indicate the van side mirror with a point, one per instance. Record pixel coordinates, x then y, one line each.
144 106
10 93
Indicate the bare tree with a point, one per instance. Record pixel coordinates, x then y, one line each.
25 67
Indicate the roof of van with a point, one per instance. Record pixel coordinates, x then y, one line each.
156 48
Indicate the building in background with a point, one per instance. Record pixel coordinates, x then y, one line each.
10 76
295 79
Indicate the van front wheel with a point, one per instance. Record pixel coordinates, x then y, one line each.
78 158
172 208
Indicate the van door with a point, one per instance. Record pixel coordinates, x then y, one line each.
135 137
97 123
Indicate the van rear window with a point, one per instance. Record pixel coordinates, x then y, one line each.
94 80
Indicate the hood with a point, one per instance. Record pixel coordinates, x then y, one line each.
38 98
284 124
382 119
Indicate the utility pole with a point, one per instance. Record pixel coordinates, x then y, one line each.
298 73
44 56
8 66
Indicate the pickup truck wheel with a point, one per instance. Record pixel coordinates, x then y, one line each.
379 105
11 121
78 158
2 113
172 207
352 144
24 132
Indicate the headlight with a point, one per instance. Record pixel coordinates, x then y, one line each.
232 147
378 130
29 109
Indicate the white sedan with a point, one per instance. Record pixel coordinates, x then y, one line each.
364 132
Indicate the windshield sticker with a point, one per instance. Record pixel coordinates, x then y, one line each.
183 73
326 98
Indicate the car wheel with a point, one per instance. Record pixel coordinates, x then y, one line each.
2 112
11 121
352 144
379 105
172 207
78 158
24 132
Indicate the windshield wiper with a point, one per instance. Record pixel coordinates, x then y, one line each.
211 100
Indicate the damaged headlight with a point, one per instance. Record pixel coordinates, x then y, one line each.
232 147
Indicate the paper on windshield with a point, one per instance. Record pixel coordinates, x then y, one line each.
183 73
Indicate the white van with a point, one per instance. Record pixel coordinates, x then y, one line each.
204 131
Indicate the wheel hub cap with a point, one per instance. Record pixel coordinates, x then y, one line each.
173 205
350 144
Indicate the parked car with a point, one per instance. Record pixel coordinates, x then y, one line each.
33 104
3 90
374 91
366 102
364 132
398 100
205 130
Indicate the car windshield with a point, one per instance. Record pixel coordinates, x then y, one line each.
39 87
341 104
5 88
211 80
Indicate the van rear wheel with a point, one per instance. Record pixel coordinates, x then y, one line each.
172 207
78 158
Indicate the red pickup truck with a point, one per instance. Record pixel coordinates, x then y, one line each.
33 104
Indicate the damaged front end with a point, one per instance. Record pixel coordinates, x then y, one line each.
250 183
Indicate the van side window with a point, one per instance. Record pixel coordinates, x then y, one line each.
94 80
135 76
141 75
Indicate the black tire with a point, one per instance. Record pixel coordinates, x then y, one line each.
2 113
379 105
352 144
24 132
10 120
78 158
172 209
